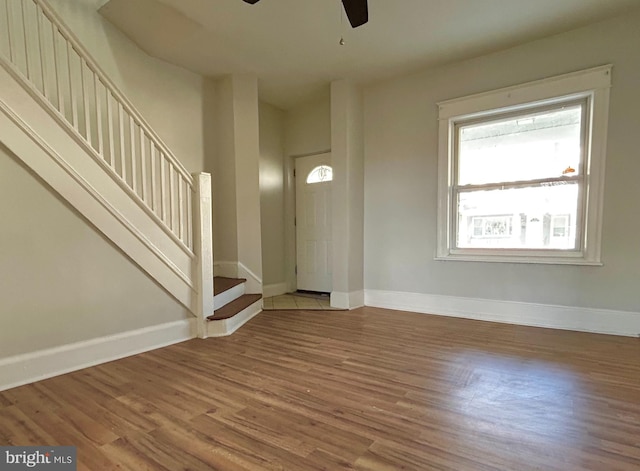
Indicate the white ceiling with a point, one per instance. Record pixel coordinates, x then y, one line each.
292 45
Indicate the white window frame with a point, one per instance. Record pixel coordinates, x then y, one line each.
592 85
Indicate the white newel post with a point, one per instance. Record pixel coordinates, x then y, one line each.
203 248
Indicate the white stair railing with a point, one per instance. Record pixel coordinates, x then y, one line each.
58 71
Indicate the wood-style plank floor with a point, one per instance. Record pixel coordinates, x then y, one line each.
369 389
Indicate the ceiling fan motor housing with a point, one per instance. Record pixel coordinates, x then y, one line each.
357 11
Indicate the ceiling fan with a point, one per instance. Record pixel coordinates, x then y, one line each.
356 11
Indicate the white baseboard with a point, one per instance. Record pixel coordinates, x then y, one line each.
254 282
351 300
602 321
274 289
35 366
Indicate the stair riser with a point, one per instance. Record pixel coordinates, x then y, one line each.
224 327
226 297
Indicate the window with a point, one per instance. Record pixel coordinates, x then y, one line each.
525 166
521 171
320 174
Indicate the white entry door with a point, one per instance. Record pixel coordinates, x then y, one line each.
313 222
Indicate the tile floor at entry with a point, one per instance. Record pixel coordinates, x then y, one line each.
293 301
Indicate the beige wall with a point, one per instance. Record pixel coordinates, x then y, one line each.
356 190
236 172
168 97
308 127
225 224
61 281
347 190
272 193
401 176
247 160
307 130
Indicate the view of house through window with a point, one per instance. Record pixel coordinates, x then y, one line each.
518 179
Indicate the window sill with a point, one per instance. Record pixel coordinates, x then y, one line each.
519 259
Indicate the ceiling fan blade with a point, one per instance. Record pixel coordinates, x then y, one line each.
357 12
251 2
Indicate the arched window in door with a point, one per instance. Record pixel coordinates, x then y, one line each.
320 174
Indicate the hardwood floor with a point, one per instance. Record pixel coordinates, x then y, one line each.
369 389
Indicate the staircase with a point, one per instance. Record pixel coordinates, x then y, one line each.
233 307
69 123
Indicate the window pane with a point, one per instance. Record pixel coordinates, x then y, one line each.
527 147
320 174
541 217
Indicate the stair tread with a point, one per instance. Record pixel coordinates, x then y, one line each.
222 284
234 307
